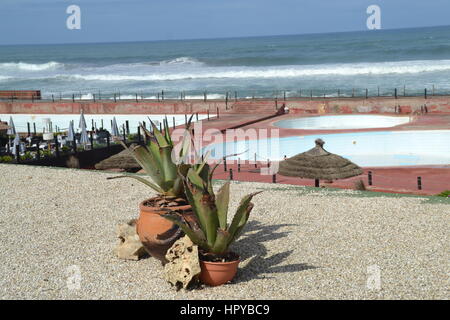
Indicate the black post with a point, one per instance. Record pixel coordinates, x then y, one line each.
108 144
395 93
208 114
367 93
139 135
17 153
274 178
369 176
162 94
378 88
93 96
136 98
185 118
56 146
204 96
28 129
173 122
91 137
196 116
53 98
73 97
224 164
38 152
115 98
231 174
316 183
226 101
235 96
284 95
276 103
419 183
34 128
217 112
425 93
124 134
74 145
127 123
102 123
256 165
239 164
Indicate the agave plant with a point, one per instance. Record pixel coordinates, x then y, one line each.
215 234
155 157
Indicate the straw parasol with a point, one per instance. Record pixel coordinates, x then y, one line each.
122 160
317 164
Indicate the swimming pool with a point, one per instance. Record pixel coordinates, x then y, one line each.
62 120
342 122
367 149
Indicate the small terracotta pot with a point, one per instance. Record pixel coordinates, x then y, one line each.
218 273
156 233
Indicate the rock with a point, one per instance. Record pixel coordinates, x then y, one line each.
129 247
183 267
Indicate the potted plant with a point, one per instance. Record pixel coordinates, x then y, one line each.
155 157
214 236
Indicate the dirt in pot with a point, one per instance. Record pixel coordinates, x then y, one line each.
165 202
211 257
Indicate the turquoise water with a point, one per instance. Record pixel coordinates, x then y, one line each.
367 149
342 122
416 58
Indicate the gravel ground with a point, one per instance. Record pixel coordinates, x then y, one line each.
300 243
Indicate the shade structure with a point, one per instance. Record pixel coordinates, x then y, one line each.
11 129
122 160
114 128
318 163
71 133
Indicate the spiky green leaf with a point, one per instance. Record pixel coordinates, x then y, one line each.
222 200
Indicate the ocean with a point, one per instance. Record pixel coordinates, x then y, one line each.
407 59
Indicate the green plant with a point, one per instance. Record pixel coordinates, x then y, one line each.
26 156
155 157
215 234
6 159
445 193
65 149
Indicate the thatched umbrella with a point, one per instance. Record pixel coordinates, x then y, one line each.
122 160
317 164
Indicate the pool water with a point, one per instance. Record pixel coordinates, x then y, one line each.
367 149
342 122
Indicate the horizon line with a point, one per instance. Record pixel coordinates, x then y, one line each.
225 38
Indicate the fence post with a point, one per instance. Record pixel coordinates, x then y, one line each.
17 153
127 123
425 94
224 164
73 97
74 145
108 144
34 128
91 137
115 98
316 183
370 177
162 94
208 114
284 95
419 183
38 152
378 88
136 97
56 146
217 108
353 92
235 96
231 174
53 98
256 165
28 129
274 178
395 93
204 96
239 164
139 135
93 96
367 93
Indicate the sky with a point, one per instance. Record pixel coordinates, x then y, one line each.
44 21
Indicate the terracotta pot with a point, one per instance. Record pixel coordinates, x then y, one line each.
156 233
218 273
